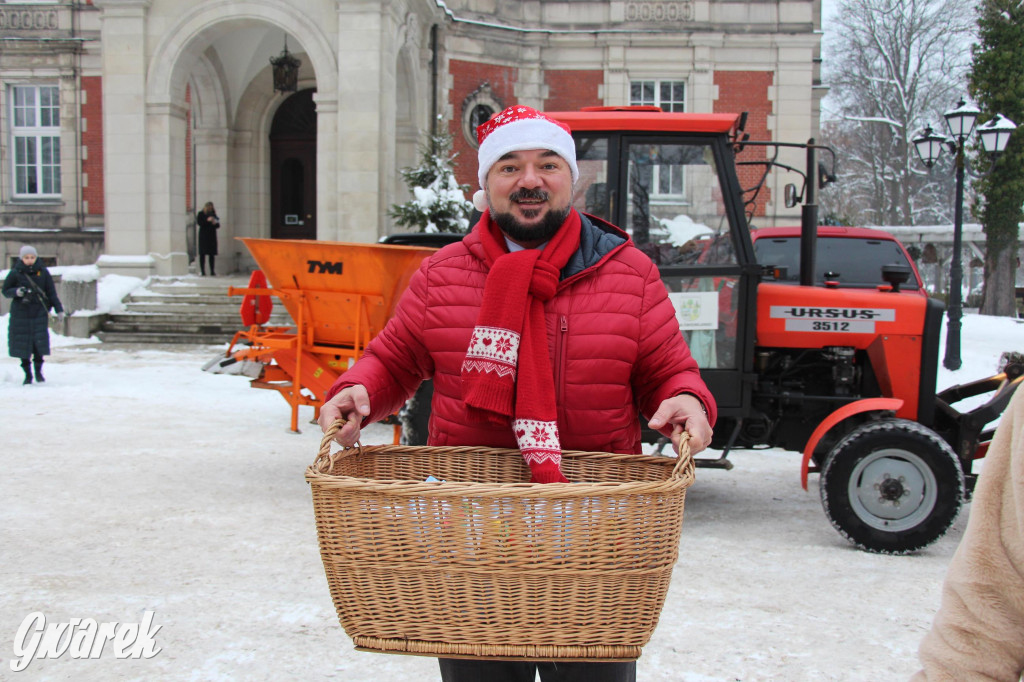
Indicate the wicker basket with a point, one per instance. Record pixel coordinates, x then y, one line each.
486 565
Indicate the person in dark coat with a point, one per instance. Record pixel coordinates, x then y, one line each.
208 223
32 293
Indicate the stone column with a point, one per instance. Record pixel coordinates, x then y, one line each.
165 187
357 162
123 24
792 120
616 89
530 89
327 199
70 111
247 203
703 92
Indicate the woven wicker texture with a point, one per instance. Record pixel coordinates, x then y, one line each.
488 565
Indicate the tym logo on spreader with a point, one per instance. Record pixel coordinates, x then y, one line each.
324 267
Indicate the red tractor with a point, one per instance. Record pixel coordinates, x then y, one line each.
846 375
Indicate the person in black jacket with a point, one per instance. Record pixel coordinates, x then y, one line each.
208 223
33 295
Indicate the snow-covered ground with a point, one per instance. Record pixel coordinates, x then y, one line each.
131 481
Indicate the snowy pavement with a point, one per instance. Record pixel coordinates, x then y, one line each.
131 481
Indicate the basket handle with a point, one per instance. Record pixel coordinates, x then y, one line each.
684 461
324 459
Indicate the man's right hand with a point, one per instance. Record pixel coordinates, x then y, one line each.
351 404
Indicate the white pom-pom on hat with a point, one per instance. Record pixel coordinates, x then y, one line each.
480 200
518 128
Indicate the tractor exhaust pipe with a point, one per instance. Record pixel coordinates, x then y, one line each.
809 219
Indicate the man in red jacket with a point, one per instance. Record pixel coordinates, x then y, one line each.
543 329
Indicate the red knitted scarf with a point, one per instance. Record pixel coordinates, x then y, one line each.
507 371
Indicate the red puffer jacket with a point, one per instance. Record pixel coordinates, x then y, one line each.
614 340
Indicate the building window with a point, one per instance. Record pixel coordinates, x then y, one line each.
35 119
668 178
669 95
477 108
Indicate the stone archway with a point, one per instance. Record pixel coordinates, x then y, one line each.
151 141
197 29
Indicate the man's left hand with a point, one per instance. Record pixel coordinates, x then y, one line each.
683 413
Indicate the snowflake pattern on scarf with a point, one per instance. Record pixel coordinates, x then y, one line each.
492 349
538 440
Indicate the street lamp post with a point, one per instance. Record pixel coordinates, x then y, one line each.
994 136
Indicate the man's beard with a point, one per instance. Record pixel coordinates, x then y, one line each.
542 231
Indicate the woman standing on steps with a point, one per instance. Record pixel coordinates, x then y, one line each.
208 223
30 288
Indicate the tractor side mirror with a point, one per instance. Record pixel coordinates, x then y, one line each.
792 198
896 274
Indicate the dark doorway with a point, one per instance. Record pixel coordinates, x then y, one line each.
293 168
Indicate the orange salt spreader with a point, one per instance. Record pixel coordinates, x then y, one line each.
339 296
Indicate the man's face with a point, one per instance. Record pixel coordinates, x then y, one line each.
28 259
529 193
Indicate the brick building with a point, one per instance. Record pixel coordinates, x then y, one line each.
119 117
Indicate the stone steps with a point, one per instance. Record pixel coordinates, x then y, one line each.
186 310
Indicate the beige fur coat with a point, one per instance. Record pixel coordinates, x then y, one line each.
978 633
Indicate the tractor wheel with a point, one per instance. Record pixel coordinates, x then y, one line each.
415 415
892 486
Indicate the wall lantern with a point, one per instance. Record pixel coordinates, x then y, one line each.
286 70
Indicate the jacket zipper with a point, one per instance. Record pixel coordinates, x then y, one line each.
560 350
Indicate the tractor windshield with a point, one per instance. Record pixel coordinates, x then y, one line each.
672 200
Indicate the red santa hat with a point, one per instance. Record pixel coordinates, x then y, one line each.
515 129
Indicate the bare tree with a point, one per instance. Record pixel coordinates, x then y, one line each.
893 67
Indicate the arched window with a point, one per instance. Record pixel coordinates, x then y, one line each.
477 108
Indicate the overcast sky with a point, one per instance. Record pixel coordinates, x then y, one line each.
828 8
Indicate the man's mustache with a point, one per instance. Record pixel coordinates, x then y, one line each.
528 194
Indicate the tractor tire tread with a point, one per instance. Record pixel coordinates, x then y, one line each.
891 430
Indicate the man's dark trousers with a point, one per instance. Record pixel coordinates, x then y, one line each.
455 670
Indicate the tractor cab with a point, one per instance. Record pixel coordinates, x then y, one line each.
669 180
